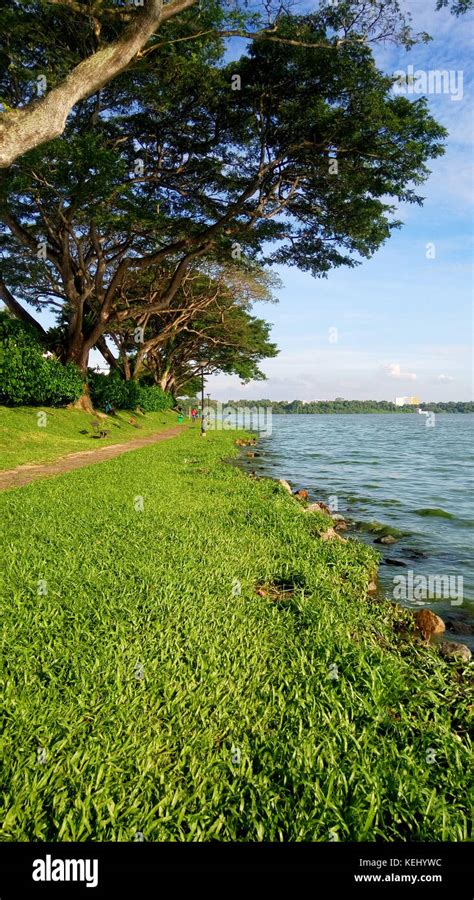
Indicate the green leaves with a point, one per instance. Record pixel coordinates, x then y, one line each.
26 377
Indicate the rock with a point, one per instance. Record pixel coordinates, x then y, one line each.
394 562
388 539
331 535
250 455
452 650
302 495
415 554
341 525
243 442
318 507
285 485
372 588
429 623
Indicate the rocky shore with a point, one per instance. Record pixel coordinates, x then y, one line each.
422 624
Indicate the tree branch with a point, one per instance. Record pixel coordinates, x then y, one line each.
18 311
45 119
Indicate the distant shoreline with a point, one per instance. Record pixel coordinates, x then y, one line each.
337 407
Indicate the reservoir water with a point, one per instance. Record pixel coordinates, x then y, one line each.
392 474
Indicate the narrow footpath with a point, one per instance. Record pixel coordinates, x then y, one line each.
13 478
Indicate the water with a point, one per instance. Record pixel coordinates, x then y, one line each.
386 469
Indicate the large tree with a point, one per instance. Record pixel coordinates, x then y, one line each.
209 294
169 165
234 343
76 46
210 312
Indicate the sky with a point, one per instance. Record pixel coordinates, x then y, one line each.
401 323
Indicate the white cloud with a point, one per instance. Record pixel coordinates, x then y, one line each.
394 370
445 378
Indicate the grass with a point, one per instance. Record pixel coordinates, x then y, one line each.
173 699
23 440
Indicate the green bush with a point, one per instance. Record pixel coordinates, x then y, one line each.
113 389
26 378
153 399
126 394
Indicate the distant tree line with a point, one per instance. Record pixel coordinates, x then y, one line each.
452 406
283 407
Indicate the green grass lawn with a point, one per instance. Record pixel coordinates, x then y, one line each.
23 440
147 686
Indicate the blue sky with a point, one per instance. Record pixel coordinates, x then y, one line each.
403 321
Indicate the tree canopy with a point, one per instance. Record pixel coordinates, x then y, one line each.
169 166
56 53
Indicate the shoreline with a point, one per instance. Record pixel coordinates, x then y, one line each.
353 527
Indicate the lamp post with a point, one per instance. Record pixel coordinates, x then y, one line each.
203 430
202 364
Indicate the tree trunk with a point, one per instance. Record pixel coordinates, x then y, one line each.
166 382
78 353
126 367
84 403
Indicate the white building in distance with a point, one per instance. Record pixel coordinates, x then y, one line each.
407 401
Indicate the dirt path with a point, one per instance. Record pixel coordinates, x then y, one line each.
26 473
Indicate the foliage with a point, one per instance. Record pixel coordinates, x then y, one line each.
457 7
207 319
251 167
153 749
153 399
114 390
450 406
126 394
208 323
26 377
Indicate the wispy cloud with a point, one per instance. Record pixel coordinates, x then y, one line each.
394 370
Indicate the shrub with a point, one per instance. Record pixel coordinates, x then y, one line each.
126 394
153 399
26 378
113 389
